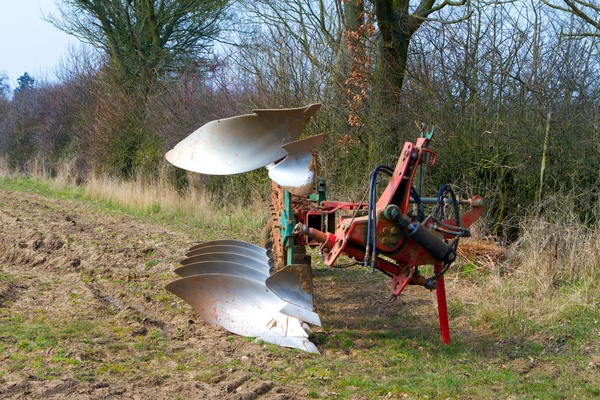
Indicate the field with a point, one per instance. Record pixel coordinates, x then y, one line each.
83 314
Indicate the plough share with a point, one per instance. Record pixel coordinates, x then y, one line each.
267 292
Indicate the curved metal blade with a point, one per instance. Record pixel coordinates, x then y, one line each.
293 284
240 305
243 251
303 145
308 111
293 342
222 267
242 143
295 173
231 242
249 260
301 313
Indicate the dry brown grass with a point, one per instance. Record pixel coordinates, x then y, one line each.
5 170
156 196
159 196
552 270
554 253
485 254
145 195
66 172
37 168
558 255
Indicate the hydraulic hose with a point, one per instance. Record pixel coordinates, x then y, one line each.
439 214
371 243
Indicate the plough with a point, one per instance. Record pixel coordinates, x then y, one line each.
267 292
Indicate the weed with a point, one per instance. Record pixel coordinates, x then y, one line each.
85 377
152 263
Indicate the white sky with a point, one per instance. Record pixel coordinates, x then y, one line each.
28 43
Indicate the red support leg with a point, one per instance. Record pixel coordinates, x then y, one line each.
442 307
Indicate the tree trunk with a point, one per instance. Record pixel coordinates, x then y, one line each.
396 26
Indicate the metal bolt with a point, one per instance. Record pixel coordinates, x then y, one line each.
384 240
394 230
385 230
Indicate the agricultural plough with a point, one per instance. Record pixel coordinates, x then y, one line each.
267 292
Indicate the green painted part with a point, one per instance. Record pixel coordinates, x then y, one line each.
321 194
429 134
287 223
391 212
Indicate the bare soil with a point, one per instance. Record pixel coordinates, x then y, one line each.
91 286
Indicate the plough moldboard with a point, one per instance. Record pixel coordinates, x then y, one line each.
267 292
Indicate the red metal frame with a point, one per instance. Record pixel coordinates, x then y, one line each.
350 234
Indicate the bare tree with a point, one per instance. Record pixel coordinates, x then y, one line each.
398 21
587 10
4 112
4 87
299 41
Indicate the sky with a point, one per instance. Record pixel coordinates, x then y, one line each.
28 43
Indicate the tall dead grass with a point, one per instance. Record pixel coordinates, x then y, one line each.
557 255
159 197
5 170
149 196
551 272
143 196
554 252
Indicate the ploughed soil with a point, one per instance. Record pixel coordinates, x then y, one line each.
84 313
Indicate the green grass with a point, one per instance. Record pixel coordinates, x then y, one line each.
42 187
39 350
425 368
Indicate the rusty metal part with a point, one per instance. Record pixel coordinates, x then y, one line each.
399 282
240 144
278 253
293 284
242 306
